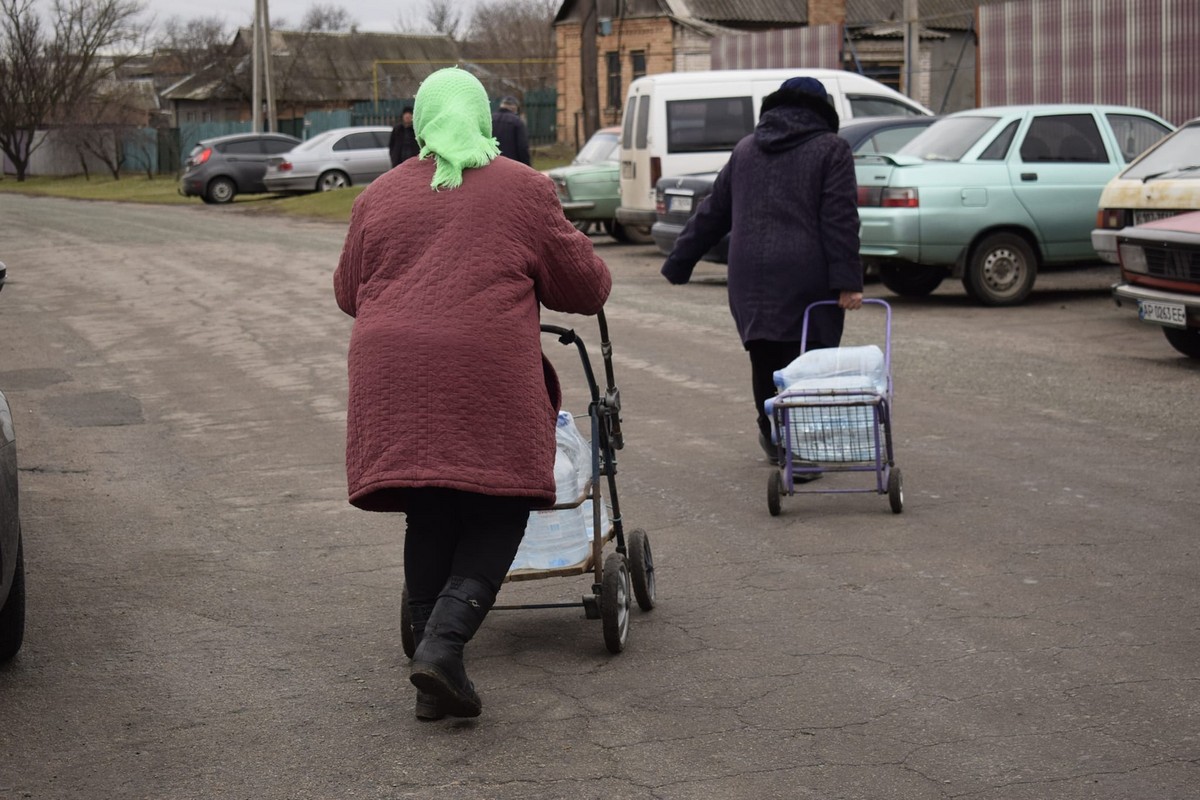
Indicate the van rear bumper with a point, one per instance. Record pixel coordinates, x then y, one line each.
636 217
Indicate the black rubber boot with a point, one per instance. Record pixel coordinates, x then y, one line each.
438 662
429 706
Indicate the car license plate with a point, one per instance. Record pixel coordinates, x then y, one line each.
679 204
1140 217
1172 314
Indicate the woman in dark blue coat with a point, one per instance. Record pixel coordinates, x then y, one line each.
788 199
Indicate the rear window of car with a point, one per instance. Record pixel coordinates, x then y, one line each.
274 146
317 141
873 105
243 147
695 126
363 140
949 139
1173 156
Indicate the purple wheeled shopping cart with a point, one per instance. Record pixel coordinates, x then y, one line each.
834 414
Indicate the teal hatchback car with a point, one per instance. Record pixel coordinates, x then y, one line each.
588 187
992 195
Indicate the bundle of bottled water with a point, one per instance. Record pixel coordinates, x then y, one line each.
819 389
562 537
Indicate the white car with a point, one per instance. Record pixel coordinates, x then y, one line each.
331 160
1163 182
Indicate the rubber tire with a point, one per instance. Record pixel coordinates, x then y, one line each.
12 615
1184 340
332 180
220 190
774 492
407 642
641 569
627 235
1008 251
895 490
615 602
582 225
911 280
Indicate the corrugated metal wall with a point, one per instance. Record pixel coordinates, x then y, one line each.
1143 53
819 46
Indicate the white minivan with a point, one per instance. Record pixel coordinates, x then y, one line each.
678 123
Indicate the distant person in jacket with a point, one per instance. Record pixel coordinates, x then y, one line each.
402 144
510 131
452 406
788 199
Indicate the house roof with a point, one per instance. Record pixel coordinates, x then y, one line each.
937 14
316 67
787 12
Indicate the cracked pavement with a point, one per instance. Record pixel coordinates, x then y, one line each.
208 618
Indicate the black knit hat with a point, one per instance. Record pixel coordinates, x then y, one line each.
804 93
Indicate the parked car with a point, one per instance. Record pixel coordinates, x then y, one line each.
12 559
1160 275
1164 181
218 170
992 195
681 123
676 199
331 160
588 187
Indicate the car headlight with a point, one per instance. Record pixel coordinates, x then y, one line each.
560 186
1133 258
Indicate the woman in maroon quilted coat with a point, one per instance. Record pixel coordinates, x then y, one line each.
452 407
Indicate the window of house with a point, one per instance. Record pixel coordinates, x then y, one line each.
637 62
614 79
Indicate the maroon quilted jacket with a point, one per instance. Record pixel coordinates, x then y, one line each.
448 386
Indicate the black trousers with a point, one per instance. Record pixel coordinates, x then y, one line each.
452 532
766 358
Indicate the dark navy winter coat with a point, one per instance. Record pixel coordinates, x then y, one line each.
509 130
788 199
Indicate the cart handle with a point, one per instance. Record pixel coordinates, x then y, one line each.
887 341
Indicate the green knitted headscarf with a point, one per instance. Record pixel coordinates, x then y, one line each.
453 122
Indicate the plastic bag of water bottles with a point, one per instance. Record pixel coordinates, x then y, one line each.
559 537
814 369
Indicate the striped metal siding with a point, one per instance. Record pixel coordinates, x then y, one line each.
1140 53
818 46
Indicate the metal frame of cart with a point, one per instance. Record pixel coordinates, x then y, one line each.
819 431
627 573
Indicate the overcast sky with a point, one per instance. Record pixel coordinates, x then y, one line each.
371 15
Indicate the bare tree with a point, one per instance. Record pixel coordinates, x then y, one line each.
322 18
516 31
45 72
443 17
194 43
106 126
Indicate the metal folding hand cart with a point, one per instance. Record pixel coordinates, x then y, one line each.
623 575
832 425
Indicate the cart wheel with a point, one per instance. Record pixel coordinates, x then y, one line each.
896 490
774 490
641 569
614 602
406 633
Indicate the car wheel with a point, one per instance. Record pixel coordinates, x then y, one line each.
626 234
12 614
582 225
911 280
220 190
1001 270
332 180
1185 340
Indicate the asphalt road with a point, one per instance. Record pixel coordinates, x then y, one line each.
208 618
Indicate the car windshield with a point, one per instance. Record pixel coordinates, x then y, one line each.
1177 156
601 147
948 139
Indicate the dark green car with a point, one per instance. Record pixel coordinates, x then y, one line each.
588 187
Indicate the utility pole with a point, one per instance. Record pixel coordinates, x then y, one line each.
912 46
589 80
260 70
